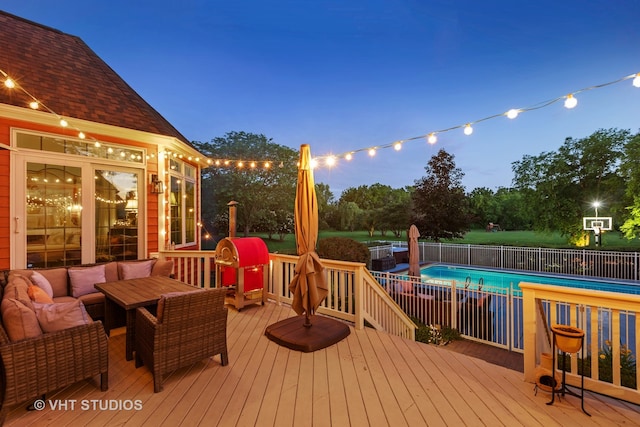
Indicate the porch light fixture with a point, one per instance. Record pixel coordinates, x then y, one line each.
157 187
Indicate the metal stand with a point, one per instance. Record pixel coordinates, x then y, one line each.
563 389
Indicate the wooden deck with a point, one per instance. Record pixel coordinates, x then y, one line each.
370 378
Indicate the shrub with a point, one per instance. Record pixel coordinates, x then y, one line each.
343 249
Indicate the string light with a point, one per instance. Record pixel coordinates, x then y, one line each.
571 101
513 113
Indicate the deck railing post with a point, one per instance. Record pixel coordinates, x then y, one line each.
359 295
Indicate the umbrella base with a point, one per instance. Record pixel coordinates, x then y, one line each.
292 333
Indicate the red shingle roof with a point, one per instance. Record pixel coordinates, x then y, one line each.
62 72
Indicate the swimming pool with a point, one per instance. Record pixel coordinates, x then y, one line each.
503 288
475 278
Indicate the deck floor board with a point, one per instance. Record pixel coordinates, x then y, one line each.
369 378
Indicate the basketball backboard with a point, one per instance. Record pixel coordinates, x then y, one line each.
596 222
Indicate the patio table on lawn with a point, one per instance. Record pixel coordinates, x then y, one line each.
130 294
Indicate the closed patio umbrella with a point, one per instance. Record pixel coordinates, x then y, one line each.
414 251
308 287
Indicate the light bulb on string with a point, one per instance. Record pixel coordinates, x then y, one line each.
331 161
348 156
34 105
397 146
64 123
313 164
571 101
468 130
432 139
81 135
372 152
636 80
267 165
513 113
9 83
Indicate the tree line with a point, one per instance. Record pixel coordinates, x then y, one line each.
551 191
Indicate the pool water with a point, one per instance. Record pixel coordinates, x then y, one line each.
476 277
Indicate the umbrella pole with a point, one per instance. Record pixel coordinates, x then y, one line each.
307 320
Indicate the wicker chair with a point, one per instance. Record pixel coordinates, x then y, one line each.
36 366
190 326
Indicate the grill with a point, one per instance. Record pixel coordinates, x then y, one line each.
242 266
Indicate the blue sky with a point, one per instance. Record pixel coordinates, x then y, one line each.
346 75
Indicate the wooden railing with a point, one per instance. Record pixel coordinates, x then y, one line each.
354 295
610 350
195 268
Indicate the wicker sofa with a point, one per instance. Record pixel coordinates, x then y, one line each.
65 289
189 327
37 362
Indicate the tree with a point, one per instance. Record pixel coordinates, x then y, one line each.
630 170
326 204
439 203
263 193
482 207
561 186
395 214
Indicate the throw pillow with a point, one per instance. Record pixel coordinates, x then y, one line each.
59 316
83 279
38 295
19 320
18 288
162 268
40 281
136 270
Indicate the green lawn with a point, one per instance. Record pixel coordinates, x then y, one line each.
610 241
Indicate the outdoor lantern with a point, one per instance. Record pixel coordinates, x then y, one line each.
157 187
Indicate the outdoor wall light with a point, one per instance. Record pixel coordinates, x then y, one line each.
157 187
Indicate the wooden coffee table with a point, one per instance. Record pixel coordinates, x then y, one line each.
130 294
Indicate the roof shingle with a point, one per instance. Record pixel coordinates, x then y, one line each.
62 72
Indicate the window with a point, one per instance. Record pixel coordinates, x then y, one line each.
79 148
182 203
